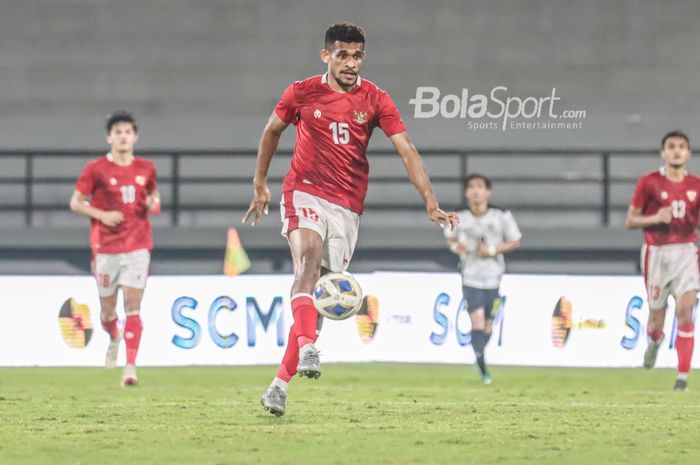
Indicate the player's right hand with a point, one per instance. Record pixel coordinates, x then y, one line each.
111 218
260 203
458 247
444 219
664 215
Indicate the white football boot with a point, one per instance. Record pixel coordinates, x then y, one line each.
309 362
129 377
113 351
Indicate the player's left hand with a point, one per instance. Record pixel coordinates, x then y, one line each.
153 204
443 219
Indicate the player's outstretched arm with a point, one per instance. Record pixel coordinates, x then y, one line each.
635 219
266 149
80 205
419 177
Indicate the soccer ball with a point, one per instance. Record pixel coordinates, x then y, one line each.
337 296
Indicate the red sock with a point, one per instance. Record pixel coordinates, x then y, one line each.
305 319
655 334
132 336
288 367
685 340
111 328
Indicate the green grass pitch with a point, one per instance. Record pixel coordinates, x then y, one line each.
354 414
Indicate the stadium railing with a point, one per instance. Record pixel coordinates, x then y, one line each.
546 181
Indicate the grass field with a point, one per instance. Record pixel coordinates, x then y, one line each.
354 414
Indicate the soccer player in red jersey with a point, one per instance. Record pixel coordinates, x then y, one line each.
666 205
324 190
118 191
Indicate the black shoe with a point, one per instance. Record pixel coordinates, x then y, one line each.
681 385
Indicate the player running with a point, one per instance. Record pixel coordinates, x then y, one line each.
485 233
665 204
324 190
118 191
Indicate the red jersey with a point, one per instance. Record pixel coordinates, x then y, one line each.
333 130
654 191
121 188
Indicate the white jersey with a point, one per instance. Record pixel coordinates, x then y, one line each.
493 228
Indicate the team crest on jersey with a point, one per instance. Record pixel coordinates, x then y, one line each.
691 195
664 195
113 181
140 180
360 117
317 113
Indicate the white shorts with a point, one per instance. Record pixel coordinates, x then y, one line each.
669 270
336 225
123 269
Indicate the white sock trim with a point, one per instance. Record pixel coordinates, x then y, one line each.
685 334
132 312
682 376
280 383
307 347
301 294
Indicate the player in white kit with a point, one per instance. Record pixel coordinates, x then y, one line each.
483 235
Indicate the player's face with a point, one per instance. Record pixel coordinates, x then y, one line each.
476 192
344 62
122 137
676 152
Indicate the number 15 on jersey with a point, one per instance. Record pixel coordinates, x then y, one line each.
341 134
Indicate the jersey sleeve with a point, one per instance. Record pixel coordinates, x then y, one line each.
640 194
511 231
287 108
389 118
86 182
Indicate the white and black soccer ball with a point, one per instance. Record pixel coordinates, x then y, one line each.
337 295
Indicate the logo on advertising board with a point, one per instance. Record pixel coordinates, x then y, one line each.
185 313
75 324
441 316
367 318
635 329
563 322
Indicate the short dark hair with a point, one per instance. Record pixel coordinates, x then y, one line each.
674 134
344 32
471 177
120 116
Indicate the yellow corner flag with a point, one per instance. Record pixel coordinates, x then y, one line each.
236 261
